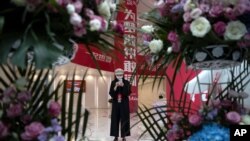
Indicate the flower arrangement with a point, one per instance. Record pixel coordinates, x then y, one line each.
17 122
181 119
180 27
31 109
47 29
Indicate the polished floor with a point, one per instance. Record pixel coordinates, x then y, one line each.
99 127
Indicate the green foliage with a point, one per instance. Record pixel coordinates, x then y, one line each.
43 90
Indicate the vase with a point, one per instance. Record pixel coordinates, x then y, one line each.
215 57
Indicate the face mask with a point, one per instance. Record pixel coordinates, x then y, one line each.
119 77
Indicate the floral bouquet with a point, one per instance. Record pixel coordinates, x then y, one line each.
182 27
44 31
30 110
181 119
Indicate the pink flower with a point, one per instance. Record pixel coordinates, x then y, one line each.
32 131
219 28
233 117
239 9
14 110
117 27
24 96
78 6
176 47
54 109
204 8
229 13
80 30
173 37
186 27
176 117
216 11
147 37
187 17
195 119
3 130
75 19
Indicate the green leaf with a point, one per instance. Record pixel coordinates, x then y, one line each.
19 56
1 24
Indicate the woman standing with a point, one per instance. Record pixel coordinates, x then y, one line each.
120 91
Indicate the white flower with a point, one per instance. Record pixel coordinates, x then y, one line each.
75 19
200 27
235 30
155 46
169 50
19 2
188 5
104 9
246 119
195 13
147 29
95 25
71 9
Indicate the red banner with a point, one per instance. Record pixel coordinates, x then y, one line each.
83 57
127 16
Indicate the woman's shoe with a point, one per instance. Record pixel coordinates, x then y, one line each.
115 139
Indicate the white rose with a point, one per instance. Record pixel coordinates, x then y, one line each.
195 13
71 9
246 119
147 29
104 9
235 30
95 25
75 19
200 27
19 2
155 46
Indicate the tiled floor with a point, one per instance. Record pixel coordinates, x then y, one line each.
99 127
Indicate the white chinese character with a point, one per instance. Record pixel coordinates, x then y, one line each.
129 27
129 40
130 16
130 53
129 66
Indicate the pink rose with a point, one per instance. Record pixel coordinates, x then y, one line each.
239 9
32 131
54 109
147 37
186 27
14 110
233 117
8 94
24 96
3 130
229 13
219 28
195 120
204 8
216 11
173 37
